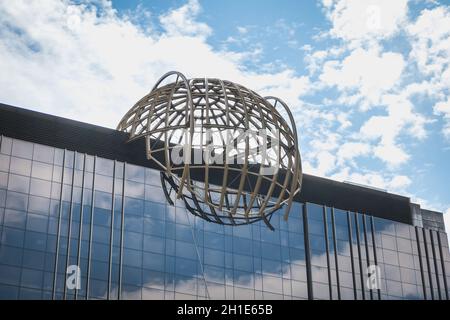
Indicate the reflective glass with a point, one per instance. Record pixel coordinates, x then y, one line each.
43 153
22 149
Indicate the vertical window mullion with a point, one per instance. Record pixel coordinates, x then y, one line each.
80 231
91 229
69 225
350 240
122 232
307 253
59 227
358 239
325 223
428 263
367 249
111 239
444 274
333 228
375 259
435 264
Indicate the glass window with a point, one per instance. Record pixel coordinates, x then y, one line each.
13 237
3 180
153 244
153 261
40 188
20 166
10 255
38 204
101 234
119 170
9 275
37 222
299 289
134 189
132 276
4 163
244 263
152 177
35 240
133 240
104 166
103 200
154 194
185 267
153 279
15 219
6 145
391 258
102 217
32 278
22 149
389 242
185 250
34 259
273 284
43 153
321 291
18 183
135 173
132 257
133 223
41 170
214 257
100 252
244 246
154 226
214 240
134 206
57 174
103 183
98 289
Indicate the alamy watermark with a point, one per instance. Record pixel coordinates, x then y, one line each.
226 146
73 277
373 281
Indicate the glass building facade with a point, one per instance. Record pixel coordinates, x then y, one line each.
60 208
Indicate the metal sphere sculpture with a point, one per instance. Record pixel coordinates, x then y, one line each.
224 150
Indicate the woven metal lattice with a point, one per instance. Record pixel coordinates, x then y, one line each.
219 145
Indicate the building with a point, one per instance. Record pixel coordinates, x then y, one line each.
74 194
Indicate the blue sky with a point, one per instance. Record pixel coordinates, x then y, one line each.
368 81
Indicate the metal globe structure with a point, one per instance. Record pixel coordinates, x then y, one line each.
226 152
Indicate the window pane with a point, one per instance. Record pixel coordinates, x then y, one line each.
4 162
40 187
20 166
135 173
18 183
6 144
43 153
22 149
41 170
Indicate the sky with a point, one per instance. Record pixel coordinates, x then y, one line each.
367 80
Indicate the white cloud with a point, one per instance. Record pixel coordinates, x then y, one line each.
400 182
366 74
443 108
351 150
356 21
431 42
86 62
242 30
182 21
389 182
